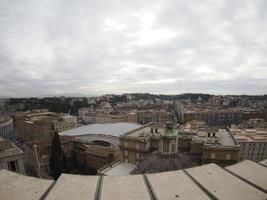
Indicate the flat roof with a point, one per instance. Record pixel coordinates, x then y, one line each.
7 148
264 162
124 187
226 139
16 186
175 184
74 187
114 129
199 182
246 169
4 119
145 132
224 185
120 169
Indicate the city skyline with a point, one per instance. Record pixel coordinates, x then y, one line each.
94 48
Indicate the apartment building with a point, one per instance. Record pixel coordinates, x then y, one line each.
11 157
147 116
41 125
214 117
209 143
253 143
139 143
222 116
6 125
91 116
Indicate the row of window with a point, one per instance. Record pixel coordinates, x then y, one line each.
259 149
252 154
13 166
253 144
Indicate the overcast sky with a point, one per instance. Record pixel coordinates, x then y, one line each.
54 47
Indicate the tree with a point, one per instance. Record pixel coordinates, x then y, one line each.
55 161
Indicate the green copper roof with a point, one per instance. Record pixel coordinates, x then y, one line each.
170 133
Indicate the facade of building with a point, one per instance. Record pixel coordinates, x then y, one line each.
11 157
64 122
222 116
215 117
96 145
147 116
94 155
253 143
257 123
6 125
41 125
204 143
91 116
139 143
209 143
38 152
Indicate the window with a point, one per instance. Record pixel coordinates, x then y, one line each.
213 156
126 143
137 155
12 166
126 153
228 156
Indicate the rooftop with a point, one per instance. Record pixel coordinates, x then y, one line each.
74 187
151 129
15 186
118 169
247 168
4 119
7 148
201 182
264 162
249 135
113 129
224 185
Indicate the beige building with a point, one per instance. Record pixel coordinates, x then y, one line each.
41 125
6 125
94 155
206 144
137 144
147 116
11 157
213 116
253 143
91 116
211 144
64 122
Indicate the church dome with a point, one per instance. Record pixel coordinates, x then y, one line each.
157 162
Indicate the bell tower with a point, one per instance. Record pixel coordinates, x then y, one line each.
168 143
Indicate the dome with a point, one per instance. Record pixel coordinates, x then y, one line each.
156 162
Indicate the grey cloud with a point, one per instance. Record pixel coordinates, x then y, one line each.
95 47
